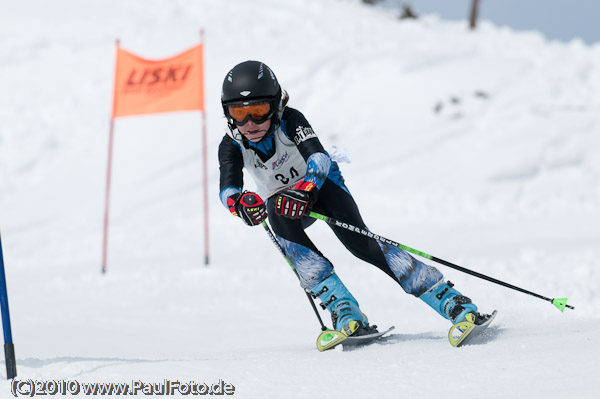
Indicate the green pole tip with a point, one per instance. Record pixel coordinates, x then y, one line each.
560 303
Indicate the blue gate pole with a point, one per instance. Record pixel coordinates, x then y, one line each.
9 348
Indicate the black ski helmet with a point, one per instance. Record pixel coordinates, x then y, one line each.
251 80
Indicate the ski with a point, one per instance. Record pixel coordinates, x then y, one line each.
364 339
463 332
331 338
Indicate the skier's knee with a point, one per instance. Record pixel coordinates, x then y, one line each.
312 268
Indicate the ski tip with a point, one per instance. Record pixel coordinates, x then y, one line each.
329 339
561 304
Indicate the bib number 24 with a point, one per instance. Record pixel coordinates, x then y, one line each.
285 179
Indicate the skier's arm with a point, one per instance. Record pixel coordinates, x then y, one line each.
318 162
231 163
295 203
247 206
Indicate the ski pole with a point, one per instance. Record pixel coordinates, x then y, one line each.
560 303
9 347
312 303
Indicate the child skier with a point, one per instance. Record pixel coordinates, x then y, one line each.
294 174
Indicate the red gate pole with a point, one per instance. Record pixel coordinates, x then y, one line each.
111 135
205 189
204 159
107 196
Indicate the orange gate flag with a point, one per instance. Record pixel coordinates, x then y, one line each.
153 86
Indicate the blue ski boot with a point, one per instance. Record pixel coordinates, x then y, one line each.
449 303
345 313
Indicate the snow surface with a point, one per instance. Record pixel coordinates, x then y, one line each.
504 178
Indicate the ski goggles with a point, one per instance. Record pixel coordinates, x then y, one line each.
259 112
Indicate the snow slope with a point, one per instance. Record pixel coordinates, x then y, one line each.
478 148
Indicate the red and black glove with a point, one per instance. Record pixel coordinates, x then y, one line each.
248 206
294 204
